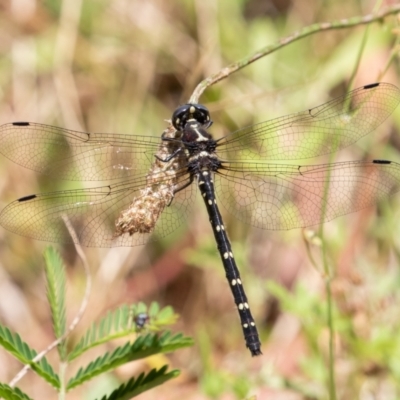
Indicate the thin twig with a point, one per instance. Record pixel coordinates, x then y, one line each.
81 310
307 31
395 51
361 49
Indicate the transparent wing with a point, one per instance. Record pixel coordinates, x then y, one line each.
273 196
71 155
94 212
317 131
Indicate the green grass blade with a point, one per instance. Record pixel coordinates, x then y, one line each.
55 275
143 346
141 384
13 343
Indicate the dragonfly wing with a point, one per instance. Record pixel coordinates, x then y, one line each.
317 131
71 155
94 212
275 196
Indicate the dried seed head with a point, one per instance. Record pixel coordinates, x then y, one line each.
143 213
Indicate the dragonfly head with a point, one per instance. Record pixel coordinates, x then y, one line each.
191 112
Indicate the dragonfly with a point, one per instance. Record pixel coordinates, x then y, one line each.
150 183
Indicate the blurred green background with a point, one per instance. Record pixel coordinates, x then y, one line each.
123 66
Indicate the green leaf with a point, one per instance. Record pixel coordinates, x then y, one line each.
55 275
9 393
120 323
141 384
166 316
157 318
143 346
115 324
20 350
154 309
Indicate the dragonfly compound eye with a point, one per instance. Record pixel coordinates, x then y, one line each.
188 112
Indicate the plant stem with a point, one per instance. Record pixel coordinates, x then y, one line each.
300 34
332 381
62 370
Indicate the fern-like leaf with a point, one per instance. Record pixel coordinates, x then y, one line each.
165 316
55 275
10 393
120 323
143 346
13 343
112 326
141 384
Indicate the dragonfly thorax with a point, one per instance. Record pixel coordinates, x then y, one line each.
203 160
197 141
194 132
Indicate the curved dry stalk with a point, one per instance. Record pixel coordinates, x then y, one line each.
300 34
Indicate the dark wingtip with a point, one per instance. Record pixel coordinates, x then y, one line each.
381 161
21 123
371 85
26 198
